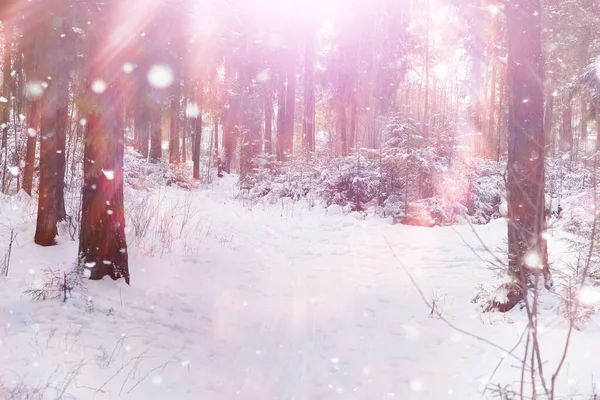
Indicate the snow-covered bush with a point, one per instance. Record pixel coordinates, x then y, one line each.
143 175
274 180
354 180
413 178
408 159
486 190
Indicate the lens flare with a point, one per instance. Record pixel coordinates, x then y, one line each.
160 76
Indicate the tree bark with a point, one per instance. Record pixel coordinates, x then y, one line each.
426 72
230 131
527 254
174 156
342 124
268 136
583 121
597 127
566 134
184 134
216 131
308 122
197 121
548 117
47 217
32 133
156 137
352 139
290 109
281 116
491 125
251 120
142 123
64 49
5 105
102 242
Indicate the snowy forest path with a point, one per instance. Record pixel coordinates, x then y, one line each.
269 302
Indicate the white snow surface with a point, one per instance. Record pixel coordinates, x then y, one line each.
272 302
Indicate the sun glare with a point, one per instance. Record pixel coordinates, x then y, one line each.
440 70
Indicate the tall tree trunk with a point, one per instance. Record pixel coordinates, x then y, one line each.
33 120
527 254
33 72
352 140
141 123
156 136
491 123
584 121
174 156
216 132
102 243
281 116
230 131
17 94
65 48
308 122
342 123
548 116
500 119
251 122
566 134
597 127
290 108
426 73
47 217
5 103
268 137
184 134
476 28
197 121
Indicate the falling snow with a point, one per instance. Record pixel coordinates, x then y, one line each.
99 86
110 175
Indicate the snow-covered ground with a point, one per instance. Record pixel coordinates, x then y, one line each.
271 302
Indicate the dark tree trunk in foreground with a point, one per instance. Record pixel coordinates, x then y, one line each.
47 216
527 254
102 244
197 121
